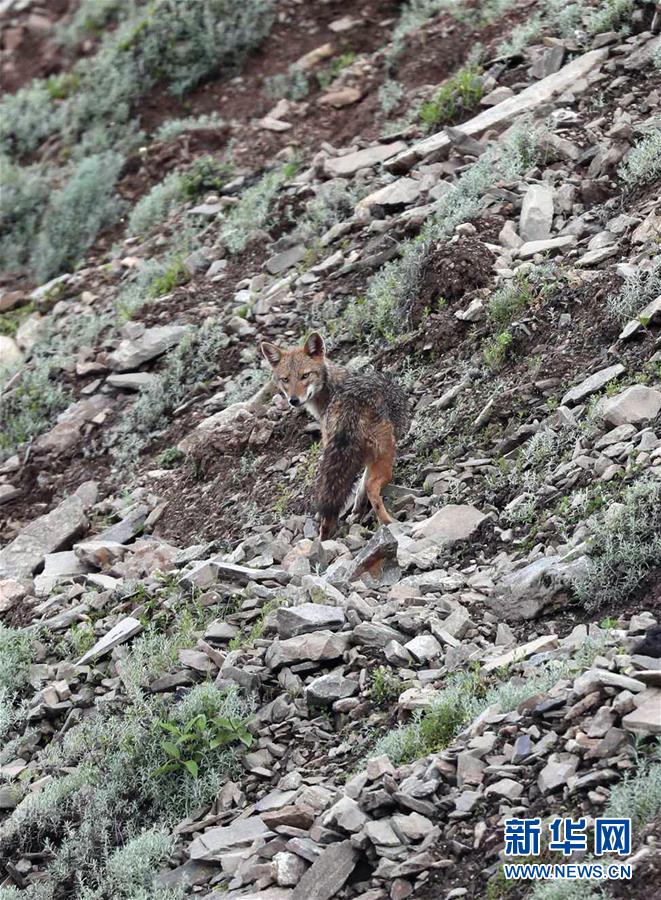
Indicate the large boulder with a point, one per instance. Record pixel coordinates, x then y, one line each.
524 593
309 617
319 646
451 524
631 406
536 213
57 530
153 342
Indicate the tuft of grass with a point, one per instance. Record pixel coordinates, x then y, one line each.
497 350
464 697
638 795
156 204
205 174
642 165
509 300
520 36
386 687
174 127
251 212
31 406
76 213
174 275
459 94
194 360
326 76
625 547
638 289
292 84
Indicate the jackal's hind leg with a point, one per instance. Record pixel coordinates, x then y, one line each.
360 503
379 474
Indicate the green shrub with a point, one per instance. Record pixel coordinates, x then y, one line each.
497 349
156 204
174 127
625 547
85 204
609 15
638 796
27 118
205 175
194 360
184 41
92 16
31 406
638 289
642 165
509 300
292 84
251 212
459 93
25 192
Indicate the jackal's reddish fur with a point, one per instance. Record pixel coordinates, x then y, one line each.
362 415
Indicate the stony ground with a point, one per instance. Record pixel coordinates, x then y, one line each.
197 696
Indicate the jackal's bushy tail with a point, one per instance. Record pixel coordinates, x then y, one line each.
341 462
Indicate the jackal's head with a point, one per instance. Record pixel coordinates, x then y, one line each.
300 371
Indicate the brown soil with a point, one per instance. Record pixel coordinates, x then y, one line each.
452 270
29 47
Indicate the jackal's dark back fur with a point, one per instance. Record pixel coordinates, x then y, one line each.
363 408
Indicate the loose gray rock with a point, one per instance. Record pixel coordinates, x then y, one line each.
295 620
132 353
54 531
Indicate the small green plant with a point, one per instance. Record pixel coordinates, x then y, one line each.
459 93
85 204
497 350
292 84
385 688
329 74
625 547
189 741
31 405
509 300
247 639
206 174
390 95
251 212
642 165
61 86
169 458
174 276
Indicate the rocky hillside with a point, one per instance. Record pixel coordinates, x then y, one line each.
198 697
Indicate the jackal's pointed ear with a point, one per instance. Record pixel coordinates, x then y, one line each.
272 354
314 346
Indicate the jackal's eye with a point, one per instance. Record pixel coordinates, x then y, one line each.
305 376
